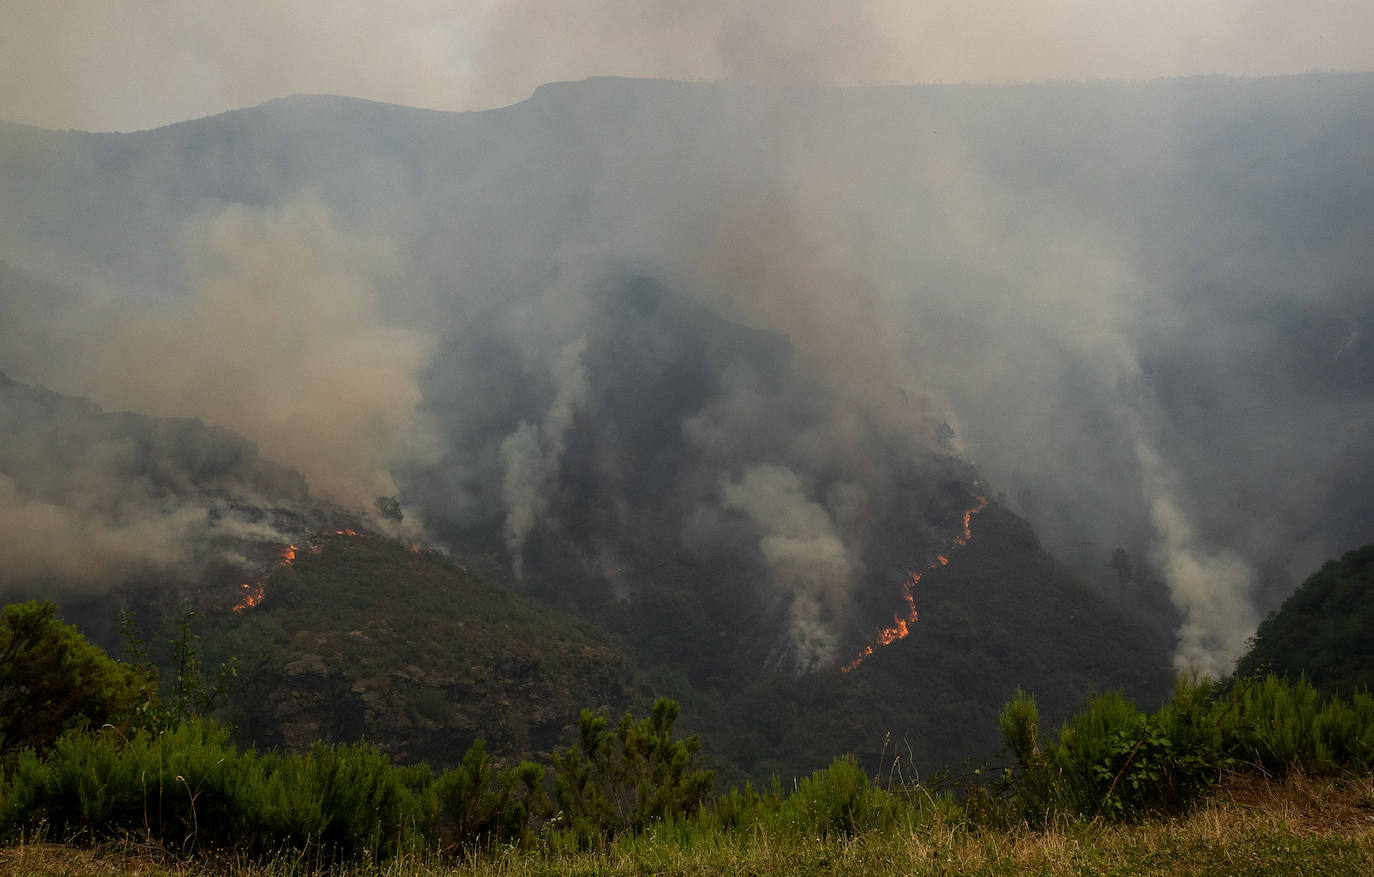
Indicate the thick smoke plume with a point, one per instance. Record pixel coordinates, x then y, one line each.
279 339
1212 589
811 568
1135 308
532 453
90 499
85 549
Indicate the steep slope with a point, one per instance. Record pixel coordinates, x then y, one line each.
1001 615
362 638
341 632
94 500
746 608
1325 631
709 365
1222 221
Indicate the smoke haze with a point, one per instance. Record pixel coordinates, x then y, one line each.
532 453
808 561
278 339
1135 308
124 66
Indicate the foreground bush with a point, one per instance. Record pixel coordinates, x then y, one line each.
53 681
189 788
1112 760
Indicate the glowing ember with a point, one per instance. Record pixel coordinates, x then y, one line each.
252 596
902 626
345 532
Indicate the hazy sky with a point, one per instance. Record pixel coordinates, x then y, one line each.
131 64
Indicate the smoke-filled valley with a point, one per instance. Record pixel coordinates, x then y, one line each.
780 391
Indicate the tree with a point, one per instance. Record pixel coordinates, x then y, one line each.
623 780
389 507
52 681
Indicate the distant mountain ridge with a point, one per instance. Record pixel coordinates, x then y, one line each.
1194 181
718 367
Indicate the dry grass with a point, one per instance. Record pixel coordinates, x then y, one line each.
1249 826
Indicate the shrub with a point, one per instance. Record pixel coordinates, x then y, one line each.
188 788
625 780
53 681
838 801
478 803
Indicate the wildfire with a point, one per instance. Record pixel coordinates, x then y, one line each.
345 532
901 626
253 594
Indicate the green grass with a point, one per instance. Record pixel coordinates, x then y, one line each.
1249 826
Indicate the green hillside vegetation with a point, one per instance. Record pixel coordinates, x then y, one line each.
632 797
363 638
1325 630
1003 614
52 681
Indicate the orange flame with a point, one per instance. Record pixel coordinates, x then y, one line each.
345 532
253 594
902 626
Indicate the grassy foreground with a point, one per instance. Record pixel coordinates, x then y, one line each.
1247 826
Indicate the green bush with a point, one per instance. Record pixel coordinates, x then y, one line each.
838 801
53 681
625 780
1020 725
1113 761
180 787
1281 725
188 788
478 803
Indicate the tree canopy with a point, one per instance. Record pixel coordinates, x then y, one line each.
52 680
1325 630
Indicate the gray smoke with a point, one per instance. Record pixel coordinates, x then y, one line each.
532 453
1212 588
810 566
1136 307
279 338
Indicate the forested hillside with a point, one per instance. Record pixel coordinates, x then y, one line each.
1325 631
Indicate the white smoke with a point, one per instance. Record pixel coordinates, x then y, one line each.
531 454
809 562
1212 589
